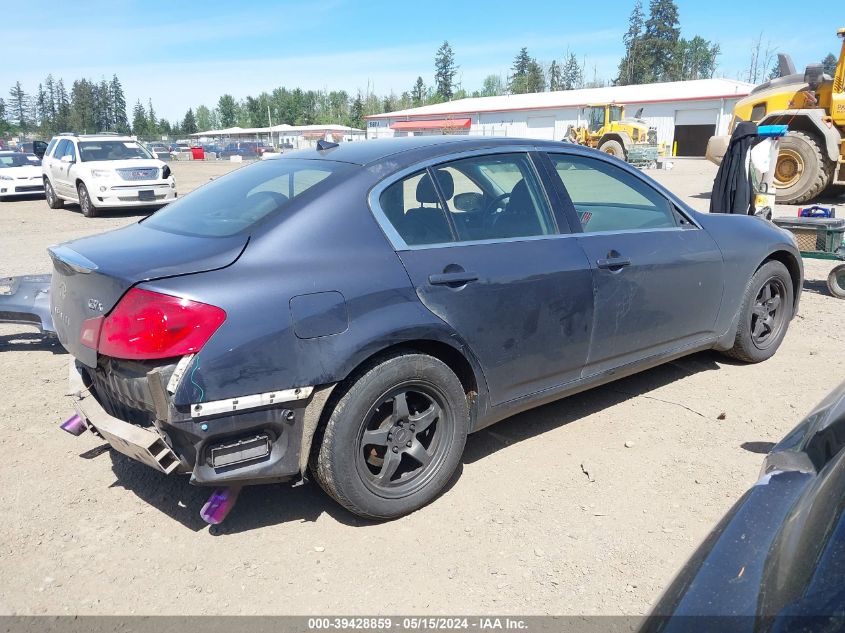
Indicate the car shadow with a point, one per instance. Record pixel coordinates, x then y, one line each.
30 342
116 212
817 286
23 197
271 504
704 195
537 421
763 448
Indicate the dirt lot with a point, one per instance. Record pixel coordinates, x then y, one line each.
523 529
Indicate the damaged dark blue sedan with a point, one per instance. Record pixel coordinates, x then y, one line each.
353 312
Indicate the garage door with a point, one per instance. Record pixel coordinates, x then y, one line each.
542 127
693 128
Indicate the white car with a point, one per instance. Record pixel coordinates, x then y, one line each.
100 171
20 174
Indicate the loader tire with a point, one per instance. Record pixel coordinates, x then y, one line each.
614 148
802 170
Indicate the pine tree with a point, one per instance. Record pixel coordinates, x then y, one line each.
19 106
519 72
5 127
118 100
83 107
631 69
50 89
356 114
418 92
555 77
140 122
203 119
189 123
106 107
42 111
572 75
63 122
152 128
445 70
660 42
829 64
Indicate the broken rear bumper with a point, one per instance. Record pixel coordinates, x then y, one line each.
26 300
262 444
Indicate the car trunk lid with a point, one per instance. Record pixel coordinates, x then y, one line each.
90 275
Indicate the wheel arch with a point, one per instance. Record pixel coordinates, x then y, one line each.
794 267
620 137
809 122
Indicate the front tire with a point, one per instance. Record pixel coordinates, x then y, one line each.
614 148
53 201
395 437
802 170
85 204
764 315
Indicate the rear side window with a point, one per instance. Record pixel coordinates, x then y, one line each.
480 198
52 144
608 198
240 199
61 150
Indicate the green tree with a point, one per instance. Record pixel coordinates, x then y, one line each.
697 59
527 74
660 42
83 107
203 119
493 86
189 123
572 75
140 122
5 126
555 77
227 109
19 107
829 64
63 122
418 92
42 111
445 70
631 67
118 100
356 114
153 127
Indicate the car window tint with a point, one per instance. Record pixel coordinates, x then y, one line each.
50 147
608 198
236 201
70 150
413 208
494 197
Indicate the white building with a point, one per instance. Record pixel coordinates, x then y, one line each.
685 113
288 136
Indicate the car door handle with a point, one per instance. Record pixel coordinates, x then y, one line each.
613 263
452 279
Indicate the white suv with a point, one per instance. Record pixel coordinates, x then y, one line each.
104 170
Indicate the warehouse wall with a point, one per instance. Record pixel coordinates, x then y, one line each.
552 123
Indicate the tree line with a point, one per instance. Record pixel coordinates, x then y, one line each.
653 51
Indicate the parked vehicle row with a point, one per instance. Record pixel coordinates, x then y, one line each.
354 311
104 171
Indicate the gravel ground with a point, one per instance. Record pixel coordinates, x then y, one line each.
586 506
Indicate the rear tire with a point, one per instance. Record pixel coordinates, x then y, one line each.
85 204
764 314
53 201
802 166
395 437
614 148
836 281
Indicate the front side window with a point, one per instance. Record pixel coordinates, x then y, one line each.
608 198
238 200
52 144
488 197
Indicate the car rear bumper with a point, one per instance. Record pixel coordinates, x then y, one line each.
133 412
26 300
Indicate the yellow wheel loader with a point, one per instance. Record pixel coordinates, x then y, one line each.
812 155
608 130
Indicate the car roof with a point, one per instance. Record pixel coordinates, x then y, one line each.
372 151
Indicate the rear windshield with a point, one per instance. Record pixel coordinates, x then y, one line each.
238 200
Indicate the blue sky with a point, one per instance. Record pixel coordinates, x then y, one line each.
184 53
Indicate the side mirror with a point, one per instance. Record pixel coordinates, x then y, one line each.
67 158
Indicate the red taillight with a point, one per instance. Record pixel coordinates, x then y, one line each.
147 325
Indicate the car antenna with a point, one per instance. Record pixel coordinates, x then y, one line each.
323 145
